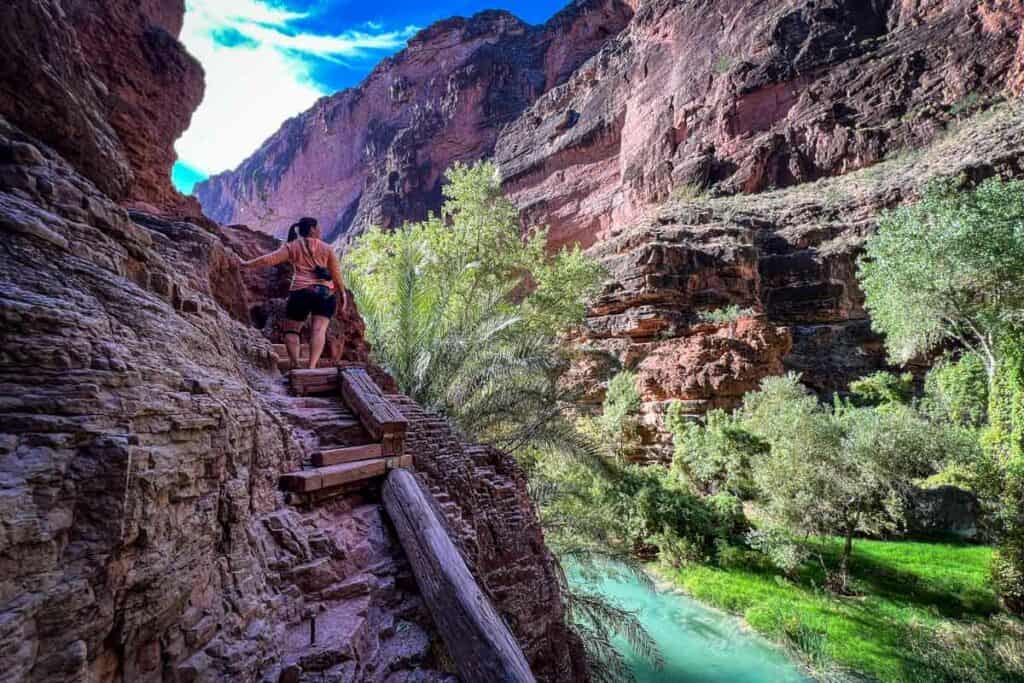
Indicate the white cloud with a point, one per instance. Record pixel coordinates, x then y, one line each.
258 73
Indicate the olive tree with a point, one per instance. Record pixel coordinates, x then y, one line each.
836 470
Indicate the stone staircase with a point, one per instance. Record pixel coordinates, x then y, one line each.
358 435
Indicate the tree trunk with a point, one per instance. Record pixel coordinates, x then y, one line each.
478 640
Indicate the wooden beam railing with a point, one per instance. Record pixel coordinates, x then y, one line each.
479 642
379 417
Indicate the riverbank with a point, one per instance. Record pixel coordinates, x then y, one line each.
922 612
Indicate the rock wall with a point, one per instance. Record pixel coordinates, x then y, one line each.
106 84
788 257
748 96
375 154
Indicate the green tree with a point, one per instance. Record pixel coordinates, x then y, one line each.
956 390
883 388
619 414
1004 440
949 268
464 310
838 470
714 456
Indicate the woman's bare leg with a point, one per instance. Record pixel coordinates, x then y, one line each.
317 337
292 342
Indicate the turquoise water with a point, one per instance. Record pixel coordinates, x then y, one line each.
697 643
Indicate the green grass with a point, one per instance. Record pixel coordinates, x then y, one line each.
906 592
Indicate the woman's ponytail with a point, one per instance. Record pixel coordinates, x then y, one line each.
293 232
305 226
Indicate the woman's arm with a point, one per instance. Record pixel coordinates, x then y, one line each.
339 282
272 259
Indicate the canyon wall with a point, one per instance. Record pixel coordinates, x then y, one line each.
745 96
786 258
375 154
710 153
143 424
106 84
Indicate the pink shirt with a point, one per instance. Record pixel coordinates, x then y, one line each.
305 254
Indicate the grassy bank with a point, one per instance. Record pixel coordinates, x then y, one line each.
923 612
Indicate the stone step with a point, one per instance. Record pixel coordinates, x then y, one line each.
336 456
285 365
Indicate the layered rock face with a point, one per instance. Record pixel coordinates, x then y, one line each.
108 85
143 424
786 259
748 96
698 99
375 155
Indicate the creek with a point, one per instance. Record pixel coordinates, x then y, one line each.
698 644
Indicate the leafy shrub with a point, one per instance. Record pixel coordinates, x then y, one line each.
621 405
957 391
730 520
882 388
688 192
723 63
780 548
714 456
729 314
971 652
658 511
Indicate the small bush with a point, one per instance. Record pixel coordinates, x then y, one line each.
956 390
966 104
780 548
621 405
714 456
882 388
723 63
972 652
729 314
688 192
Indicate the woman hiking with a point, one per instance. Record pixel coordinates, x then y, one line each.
316 283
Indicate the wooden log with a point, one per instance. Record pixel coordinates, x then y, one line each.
307 481
345 473
313 381
479 642
384 422
335 456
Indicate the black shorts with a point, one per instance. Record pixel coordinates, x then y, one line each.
315 300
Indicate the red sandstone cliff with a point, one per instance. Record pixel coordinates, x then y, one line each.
746 96
143 427
375 154
108 85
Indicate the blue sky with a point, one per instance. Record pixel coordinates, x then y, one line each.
267 60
